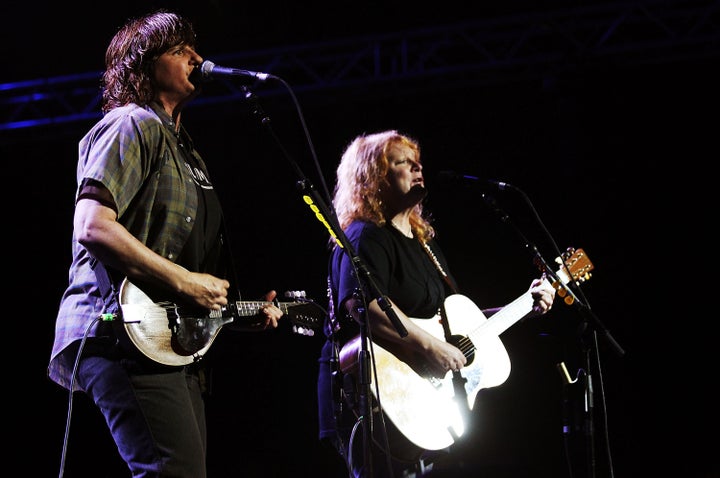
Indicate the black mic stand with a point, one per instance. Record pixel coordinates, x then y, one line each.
588 317
329 219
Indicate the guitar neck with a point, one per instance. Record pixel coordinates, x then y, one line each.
248 308
506 317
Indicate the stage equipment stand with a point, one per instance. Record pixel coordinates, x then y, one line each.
328 218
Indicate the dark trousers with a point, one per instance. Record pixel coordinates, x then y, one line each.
156 415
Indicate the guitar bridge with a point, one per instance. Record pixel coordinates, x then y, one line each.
435 382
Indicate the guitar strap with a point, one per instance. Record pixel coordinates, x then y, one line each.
458 380
439 267
446 278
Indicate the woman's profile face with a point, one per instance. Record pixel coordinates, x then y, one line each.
174 71
405 173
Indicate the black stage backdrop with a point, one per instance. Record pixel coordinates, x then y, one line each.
616 162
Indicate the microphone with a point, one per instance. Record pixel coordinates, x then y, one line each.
209 70
451 177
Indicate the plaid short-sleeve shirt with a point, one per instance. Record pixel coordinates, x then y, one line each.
132 151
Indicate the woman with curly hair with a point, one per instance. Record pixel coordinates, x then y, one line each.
378 198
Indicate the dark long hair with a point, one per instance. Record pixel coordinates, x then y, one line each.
132 52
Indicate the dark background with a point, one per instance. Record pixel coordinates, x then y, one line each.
613 157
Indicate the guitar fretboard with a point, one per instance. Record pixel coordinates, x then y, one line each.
248 308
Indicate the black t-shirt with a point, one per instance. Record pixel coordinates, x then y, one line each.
202 251
400 266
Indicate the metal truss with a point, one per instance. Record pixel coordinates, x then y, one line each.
518 47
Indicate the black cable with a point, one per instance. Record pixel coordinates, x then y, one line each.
72 386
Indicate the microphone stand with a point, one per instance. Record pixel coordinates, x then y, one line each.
329 219
587 315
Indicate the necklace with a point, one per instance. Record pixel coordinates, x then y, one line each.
407 234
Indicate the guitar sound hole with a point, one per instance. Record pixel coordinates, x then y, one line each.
465 344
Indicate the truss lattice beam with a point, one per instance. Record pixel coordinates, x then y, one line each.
521 46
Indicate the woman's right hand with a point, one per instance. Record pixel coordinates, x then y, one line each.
205 290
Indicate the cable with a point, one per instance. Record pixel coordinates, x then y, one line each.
104 317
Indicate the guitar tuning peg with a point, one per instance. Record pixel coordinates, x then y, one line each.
583 277
560 288
295 294
300 330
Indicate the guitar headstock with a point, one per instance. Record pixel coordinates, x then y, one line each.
305 315
575 266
